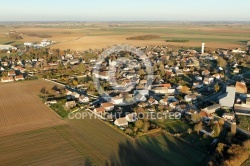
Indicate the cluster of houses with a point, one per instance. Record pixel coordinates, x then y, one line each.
235 100
12 75
187 62
73 97
157 88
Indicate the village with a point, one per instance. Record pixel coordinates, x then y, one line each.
209 89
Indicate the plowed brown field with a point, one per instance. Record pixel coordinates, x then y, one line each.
22 110
32 134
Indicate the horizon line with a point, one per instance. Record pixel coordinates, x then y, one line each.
132 21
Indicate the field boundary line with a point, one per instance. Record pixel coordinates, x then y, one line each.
74 145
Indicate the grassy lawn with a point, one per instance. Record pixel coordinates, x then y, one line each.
181 127
173 150
173 126
243 122
60 108
198 140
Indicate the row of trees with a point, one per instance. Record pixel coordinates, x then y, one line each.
143 37
231 151
55 90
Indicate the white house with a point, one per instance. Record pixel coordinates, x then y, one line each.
102 75
161 90
208 80
217 76
131 117
198 78
69 56
173 104
236 70
205 72
51 102
11 73
75 95
19 78
70 104
108 106
117 100
171 90
121 122
228 116
238 50
152 101
190 97
7 79
29 44
92 60
164 101
34 60
83 99
198 84
211 109
45 43
74 61
68 92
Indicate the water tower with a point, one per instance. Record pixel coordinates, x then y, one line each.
202 47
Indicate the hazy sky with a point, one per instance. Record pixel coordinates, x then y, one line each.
125 10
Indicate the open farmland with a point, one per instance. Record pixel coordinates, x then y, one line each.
39 147
92 142
22 110
158 149
83 36
79 142
173 150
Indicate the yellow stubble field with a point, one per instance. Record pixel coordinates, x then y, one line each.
101 36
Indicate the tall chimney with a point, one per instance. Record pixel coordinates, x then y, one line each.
202 47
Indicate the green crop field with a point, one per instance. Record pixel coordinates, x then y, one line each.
173 126
174 151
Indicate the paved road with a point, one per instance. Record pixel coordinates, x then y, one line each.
215 96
